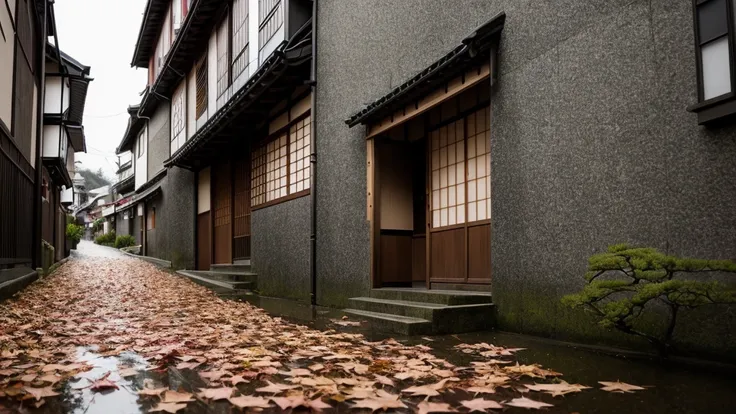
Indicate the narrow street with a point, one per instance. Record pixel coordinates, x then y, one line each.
111 334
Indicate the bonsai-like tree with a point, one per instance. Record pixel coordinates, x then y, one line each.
623 282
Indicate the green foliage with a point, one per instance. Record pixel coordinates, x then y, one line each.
124 241
107 239
98 224
74 232
624 281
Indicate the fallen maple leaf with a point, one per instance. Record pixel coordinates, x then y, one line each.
524 402
177 397
379 404
103 384
621 387
128 372
216 393
249 402
434 407
426 390
384 380
152 392
50 378
188 365
237 379
275 388
40 393
482 390
168 407
479 404
557 389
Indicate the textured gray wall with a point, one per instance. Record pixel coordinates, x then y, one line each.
280 253
173 237
591 145
159 135
122 226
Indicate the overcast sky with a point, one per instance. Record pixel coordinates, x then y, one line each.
102 34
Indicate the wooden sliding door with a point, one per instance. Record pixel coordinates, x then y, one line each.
459 175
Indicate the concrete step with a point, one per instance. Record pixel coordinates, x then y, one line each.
220 286
14 280
230 268
445 297
226 276
393 323
444 318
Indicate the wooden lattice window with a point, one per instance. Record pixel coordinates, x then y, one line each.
460 171
448 175
280 166
479 166
299 150
223 57
201 87
178 118
240 37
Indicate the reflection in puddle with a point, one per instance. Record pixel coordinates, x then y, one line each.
81 399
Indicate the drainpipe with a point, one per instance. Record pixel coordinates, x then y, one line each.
36 258
313 161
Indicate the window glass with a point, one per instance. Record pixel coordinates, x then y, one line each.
280 166
716 69
712 20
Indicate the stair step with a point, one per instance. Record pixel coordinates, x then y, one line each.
445 297
393 323
217 285
226 276
231 268
444 318
14 280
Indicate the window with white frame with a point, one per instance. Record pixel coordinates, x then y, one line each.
715 49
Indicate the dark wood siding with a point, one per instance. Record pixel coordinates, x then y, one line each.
221 208
447 255
204 242
242 210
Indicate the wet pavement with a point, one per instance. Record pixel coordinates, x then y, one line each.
669 388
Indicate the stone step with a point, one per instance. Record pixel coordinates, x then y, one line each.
230 268
445 297
218 285
226 276
444 318
14 280
384 322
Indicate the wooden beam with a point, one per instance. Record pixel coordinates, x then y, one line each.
454 88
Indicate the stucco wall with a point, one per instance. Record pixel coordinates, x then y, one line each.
159 136
591 145
122 226
280 246
174 233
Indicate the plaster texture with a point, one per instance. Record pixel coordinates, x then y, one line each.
280 249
